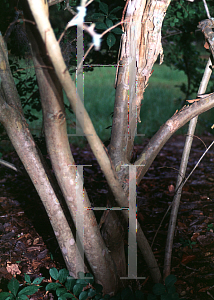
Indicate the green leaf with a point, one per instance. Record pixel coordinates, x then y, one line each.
98 287
27 278
70 282
13 286
60 291
23 297
67 296
117 30
109 23
90 278
97 297
63 274
159 289
103 7
170 280
6 295
52 286
114 10
54 273
83 295
29 290
77 289
111 40
171 289
91 293
97 15
38 280
186 14
179 15
101 25
113 17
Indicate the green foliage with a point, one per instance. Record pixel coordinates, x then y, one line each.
21 294
181 41
84 287
187 243
66 286
210 227
165 291
104 20
27 88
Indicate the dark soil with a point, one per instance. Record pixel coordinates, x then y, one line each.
28 244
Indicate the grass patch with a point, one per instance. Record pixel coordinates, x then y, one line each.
161 99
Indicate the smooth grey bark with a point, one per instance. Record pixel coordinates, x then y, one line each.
166 131
17 129
64 167
41 17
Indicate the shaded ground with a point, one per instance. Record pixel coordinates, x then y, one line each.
28 245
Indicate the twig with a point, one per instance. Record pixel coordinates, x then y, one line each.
207 9
180 186
9 165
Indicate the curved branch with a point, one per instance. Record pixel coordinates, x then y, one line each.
166 131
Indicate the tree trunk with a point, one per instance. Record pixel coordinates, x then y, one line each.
65 170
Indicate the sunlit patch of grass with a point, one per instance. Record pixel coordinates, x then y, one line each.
161 99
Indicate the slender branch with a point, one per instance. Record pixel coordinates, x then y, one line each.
182 171
9 165
207 9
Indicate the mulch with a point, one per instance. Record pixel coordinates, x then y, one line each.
28 244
